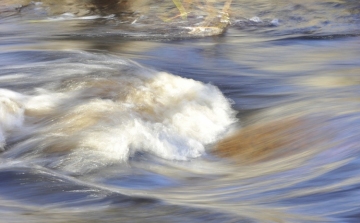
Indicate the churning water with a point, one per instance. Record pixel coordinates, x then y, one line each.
110 114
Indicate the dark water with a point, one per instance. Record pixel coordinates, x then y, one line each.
112 115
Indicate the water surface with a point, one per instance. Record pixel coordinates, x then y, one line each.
114 115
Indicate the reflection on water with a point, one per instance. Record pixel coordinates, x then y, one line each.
258 124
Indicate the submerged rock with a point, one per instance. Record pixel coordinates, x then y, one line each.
151 18
271 140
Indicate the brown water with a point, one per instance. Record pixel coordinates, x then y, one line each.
110 114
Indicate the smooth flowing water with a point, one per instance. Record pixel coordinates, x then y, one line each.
110 114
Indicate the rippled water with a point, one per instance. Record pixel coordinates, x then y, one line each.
110 114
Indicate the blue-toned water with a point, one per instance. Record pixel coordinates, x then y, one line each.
110 114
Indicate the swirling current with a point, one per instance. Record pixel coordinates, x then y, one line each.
127 111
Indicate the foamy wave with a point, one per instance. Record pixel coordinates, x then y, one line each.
114 117
11 113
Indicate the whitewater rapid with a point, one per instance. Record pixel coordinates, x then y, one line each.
109 118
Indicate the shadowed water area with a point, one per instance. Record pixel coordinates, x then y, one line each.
141 111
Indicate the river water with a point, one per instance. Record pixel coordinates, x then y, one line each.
113 115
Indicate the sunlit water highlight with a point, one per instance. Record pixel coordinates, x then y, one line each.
120 117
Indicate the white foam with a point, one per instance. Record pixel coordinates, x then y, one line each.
275 22
255 19
162 114
11 113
